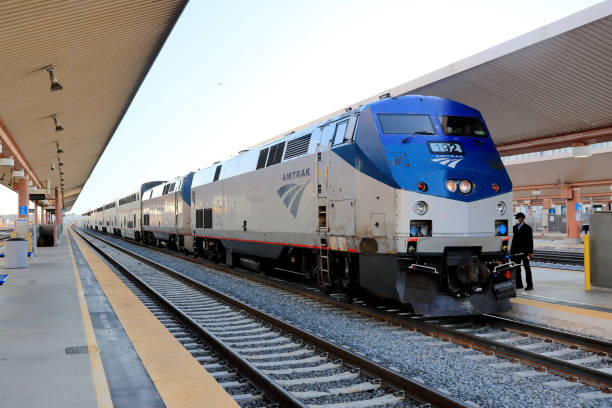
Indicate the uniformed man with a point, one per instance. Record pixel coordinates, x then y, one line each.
522 246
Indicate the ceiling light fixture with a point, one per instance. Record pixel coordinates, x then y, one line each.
581 151
58 127
55 85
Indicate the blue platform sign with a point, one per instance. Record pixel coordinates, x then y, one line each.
578 205
551 211
23 210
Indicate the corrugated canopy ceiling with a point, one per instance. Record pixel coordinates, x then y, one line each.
100 52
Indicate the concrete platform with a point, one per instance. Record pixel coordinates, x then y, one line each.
40 318
65 340
559 300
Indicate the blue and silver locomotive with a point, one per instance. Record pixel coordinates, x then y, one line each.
405 198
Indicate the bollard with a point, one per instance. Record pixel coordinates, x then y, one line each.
587 262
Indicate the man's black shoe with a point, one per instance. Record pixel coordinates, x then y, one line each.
520 287
529 288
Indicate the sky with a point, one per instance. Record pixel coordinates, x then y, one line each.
233 74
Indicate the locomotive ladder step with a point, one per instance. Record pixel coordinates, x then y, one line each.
324 264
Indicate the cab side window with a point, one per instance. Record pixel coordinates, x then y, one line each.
340 132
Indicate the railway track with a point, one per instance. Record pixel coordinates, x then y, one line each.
573 357
258 358
558 257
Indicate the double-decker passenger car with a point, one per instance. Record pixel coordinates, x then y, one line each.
129 212
166 215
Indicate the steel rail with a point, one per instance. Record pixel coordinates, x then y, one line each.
412 388
554 365
540 255
586 343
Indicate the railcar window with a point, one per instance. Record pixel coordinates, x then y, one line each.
217 173
276 154
340 132
462 126
208 223
199 218
263 157
406 124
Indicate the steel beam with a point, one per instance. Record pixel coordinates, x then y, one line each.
12 149
556 141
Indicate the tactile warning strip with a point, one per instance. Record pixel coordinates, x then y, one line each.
180 380
562 308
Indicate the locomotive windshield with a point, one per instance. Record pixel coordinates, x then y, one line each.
406 124
462 126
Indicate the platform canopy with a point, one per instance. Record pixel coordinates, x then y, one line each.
100 52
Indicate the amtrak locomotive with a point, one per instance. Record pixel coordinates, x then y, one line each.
405 198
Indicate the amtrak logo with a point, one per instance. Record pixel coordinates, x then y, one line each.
447 161
292 194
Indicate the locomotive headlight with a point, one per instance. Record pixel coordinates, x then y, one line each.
451 185
501 208
420 208
465 186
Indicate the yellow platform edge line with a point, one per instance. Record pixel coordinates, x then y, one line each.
180 380
562 308
103 395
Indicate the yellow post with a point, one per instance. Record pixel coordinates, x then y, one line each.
29 242
587 262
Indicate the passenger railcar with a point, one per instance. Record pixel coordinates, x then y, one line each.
166 213
97 218
129 212
109 217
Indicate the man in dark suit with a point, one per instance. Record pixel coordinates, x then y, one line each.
522 246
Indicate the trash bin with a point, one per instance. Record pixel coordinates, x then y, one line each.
16 253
